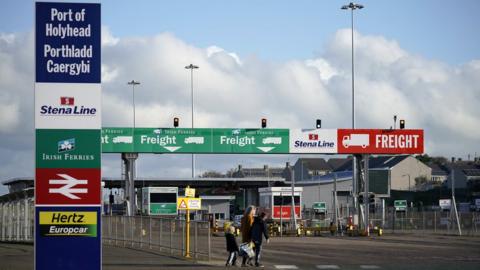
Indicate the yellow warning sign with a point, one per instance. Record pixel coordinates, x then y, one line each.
181 204
184 203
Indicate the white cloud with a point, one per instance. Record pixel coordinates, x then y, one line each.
234 92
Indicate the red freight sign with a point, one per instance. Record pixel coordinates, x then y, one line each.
380 141
67 186
286 212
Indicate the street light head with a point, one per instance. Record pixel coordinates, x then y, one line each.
353 6
133 82
191 66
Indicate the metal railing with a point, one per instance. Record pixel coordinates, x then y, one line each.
154 233
16 221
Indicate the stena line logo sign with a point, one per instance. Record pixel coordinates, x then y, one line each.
313 141
66 107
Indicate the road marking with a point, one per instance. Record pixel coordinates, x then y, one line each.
369 266
328 266
286 267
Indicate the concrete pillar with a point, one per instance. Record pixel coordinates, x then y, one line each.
129 159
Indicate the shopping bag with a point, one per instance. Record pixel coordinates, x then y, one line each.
246 250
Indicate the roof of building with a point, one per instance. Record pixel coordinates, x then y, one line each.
336 163
258 172
379 162
317 164
437 169
472 172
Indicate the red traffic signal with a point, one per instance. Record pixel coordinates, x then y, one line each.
264 122
402 124
176 122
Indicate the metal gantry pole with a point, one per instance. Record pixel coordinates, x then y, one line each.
192 67
366 197
293 215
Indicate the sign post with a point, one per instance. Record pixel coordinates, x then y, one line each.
67 134
187 204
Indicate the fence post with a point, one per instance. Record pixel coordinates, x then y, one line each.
132 220
208 240
434 221
183 238
195 242
17 236
150 232
116 231
171 235
160 235
25 206
141 231
124 231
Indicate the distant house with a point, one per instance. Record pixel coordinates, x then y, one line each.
336 163
465 173
306 168
264 172
405 170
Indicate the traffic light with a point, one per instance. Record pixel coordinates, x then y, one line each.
264 122
319 123
371 198
360 199
176 122
402 124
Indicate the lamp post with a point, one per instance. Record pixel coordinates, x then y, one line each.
133 83
129 159
192 67
352 6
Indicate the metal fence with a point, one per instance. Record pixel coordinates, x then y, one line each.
161 234
413 220
16 220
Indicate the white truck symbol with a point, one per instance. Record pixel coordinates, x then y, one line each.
123 139
356 140
272 140
195 140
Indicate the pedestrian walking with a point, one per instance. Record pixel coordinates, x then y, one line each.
246 229
259 230
232 246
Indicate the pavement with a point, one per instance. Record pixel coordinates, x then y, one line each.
325 252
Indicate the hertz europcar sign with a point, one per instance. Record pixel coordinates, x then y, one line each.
83 224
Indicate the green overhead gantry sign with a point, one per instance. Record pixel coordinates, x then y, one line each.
200 140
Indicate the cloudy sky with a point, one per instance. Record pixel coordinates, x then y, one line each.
287 61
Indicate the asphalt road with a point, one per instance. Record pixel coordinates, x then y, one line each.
386 252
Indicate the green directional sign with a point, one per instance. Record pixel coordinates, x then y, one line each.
248 141
67 148
163 208
200 140
400 205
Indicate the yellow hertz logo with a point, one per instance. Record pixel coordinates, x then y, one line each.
68 223
66 218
